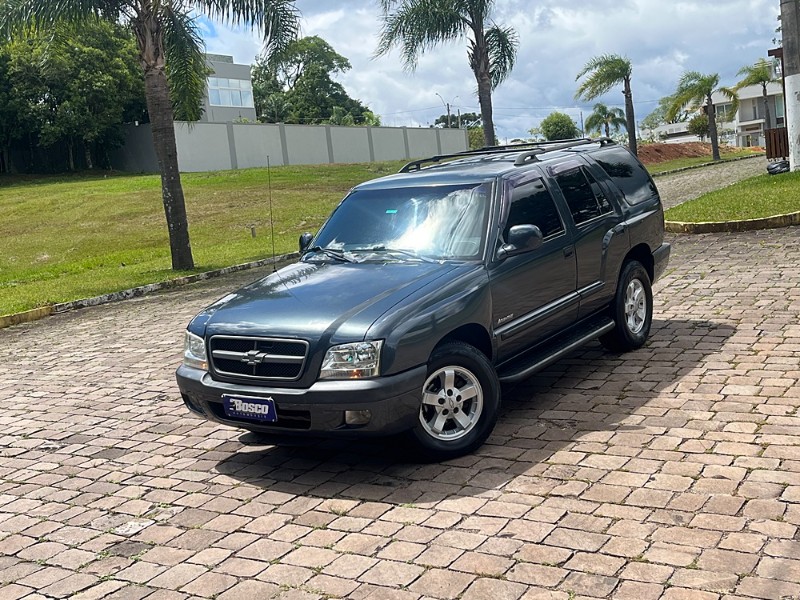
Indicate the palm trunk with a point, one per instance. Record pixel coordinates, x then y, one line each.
479 61
608 130
767 119
159 108
630 118
712 129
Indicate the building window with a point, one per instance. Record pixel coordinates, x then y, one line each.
230 92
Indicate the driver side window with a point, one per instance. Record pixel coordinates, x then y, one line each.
532 204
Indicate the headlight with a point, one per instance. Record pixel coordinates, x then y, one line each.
194 352
352 361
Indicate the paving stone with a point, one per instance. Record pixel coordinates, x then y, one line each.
669 472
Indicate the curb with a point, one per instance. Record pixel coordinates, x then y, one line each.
45 311
775 222
708 164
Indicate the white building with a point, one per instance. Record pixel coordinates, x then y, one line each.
229 91
747 126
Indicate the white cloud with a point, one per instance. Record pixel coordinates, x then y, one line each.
662 39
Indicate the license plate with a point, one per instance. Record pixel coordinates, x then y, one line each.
256 409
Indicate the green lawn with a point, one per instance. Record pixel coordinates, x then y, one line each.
682 163
68 237
762 196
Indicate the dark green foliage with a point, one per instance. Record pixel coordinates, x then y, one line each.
67 96
559 126
296 86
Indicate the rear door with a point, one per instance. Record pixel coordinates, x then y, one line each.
533 294
599 234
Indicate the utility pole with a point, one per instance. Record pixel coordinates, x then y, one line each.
790 32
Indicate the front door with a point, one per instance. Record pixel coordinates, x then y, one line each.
533 294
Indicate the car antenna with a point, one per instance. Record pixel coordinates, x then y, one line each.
271 225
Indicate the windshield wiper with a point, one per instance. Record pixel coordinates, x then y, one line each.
400 251
332 253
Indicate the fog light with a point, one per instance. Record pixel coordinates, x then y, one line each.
357 417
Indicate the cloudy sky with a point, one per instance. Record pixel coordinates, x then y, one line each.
663 38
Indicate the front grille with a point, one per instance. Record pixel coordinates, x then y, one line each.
257 358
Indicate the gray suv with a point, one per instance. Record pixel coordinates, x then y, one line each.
425 290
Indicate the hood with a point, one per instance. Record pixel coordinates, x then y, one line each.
335 301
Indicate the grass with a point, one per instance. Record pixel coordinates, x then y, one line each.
68 237
682 163
759 197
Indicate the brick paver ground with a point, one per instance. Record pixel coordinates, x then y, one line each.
668 473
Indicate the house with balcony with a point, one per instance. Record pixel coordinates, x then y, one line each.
744 128
229 91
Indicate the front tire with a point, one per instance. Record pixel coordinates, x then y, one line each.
459 403
632 310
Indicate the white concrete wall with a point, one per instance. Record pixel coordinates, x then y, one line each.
350 144
307 144
202 146
220 146
422 143
255 142
389 143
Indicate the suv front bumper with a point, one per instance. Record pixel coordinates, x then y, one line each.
393 402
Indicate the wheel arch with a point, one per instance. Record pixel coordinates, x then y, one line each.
473 334
643 255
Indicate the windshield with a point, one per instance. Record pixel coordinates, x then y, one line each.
439 222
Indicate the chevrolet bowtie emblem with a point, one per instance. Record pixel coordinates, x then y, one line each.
253 358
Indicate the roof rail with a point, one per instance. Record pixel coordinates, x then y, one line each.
535 149
532 155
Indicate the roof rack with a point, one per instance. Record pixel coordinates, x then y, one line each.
536 148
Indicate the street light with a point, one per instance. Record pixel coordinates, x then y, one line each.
446 106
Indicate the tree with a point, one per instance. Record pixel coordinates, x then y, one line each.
659 115
296 85
761 74
558 126
174 66
419 25
695 90
465 120
604 118
603 73
698 125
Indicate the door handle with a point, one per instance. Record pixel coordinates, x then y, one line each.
569 251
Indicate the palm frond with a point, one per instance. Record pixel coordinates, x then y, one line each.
502 43
278 20
185 63
733 98
602 73
35 16
760 73
417 26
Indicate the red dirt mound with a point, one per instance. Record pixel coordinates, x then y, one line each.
651 154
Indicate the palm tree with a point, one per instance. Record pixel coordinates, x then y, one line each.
696 89
604 72
605 118
761 74
419 25
174 66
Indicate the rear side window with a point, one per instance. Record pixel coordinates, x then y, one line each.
627 173
580 189
532 204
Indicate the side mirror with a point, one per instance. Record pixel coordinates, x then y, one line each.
305 241
521 239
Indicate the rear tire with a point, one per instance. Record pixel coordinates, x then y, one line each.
632 310
459 403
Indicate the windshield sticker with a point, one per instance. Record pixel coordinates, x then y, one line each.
391 211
